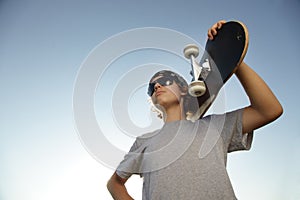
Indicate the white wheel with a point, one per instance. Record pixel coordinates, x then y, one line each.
190 50
197 88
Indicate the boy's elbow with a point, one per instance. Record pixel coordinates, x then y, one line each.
279 111
109 185
275 112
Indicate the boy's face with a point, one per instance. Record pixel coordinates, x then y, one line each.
166 92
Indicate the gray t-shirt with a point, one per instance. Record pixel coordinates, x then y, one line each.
187 160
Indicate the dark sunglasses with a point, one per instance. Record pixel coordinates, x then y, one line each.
163 81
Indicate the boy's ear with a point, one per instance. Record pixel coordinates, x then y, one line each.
184 91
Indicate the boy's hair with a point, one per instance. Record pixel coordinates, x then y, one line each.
190 103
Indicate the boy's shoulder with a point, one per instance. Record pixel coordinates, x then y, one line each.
147 136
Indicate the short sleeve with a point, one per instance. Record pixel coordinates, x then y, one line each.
131 163
232 133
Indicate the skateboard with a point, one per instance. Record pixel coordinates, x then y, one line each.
219 61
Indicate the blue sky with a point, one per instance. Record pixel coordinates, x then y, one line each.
44 44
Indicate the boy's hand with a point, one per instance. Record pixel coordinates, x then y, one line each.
214 29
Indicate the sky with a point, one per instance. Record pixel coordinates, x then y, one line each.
71 69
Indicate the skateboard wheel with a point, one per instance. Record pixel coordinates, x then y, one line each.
197 88
190 50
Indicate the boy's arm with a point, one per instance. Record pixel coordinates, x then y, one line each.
264 106
117 189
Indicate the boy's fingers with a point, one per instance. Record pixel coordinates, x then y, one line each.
210 34
213 30
220 23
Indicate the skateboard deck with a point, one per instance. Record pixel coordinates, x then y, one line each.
221 58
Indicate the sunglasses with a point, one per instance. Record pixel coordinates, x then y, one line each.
163 81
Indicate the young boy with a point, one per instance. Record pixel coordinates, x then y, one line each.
171 160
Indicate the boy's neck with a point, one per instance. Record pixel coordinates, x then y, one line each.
174 114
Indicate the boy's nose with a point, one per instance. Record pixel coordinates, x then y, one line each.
156 86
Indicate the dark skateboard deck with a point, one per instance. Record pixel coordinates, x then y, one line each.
223 55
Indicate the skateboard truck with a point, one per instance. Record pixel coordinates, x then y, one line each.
197 87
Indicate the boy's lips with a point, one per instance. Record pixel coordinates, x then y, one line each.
159 92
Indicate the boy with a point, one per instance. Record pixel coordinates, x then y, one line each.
183 172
